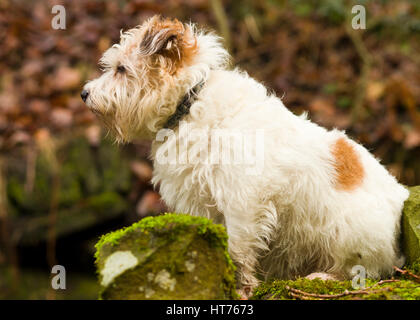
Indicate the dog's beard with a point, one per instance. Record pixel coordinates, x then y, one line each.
114 130
109 123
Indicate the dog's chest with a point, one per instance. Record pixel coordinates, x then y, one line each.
185 192
184 187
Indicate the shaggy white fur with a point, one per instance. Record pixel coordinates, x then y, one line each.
319 203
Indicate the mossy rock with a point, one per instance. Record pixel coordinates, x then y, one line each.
35 284
404 286
93 185
401 289
88 213
172 256
38 199
83 171
411 225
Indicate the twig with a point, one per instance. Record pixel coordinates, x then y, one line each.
267 46
299 294
6 237
30 169
407 272
358 110
382 282
326 296
47 148
301 297
222 21
252 27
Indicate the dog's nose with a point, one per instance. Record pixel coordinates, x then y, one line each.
84 95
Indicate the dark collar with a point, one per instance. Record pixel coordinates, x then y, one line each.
183 108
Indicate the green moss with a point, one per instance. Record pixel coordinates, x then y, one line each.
167 242
401 290
83 171
30 201
114 167
168 222
277 290
107 201
414 267
81 160
87 213
36 285
405 288
411 225
70 188
15 191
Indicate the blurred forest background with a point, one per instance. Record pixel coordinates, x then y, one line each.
62 184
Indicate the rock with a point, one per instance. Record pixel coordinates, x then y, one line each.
317 289
94 210
171 256
411 225
93 188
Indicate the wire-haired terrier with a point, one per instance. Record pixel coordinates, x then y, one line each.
319 202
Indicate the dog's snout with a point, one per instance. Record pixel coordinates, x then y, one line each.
84 95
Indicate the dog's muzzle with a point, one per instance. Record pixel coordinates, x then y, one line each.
84 95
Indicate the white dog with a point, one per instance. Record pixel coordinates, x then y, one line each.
319 202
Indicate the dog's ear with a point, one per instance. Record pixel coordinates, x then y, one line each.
163 37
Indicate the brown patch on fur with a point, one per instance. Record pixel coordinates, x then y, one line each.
169 42
349 169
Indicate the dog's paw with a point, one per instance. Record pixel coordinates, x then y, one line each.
245 292
321 275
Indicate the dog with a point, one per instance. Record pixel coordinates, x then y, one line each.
317 201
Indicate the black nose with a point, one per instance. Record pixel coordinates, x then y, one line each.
84 95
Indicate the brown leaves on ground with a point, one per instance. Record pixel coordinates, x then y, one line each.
302 51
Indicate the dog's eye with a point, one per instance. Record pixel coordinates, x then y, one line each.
120 69
168 44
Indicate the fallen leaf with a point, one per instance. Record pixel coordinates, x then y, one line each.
149 204
61 118
412 139
66 78
142 170
93 135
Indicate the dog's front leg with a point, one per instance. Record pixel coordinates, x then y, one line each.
249 235
245 258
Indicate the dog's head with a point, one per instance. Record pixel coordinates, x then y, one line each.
147 74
